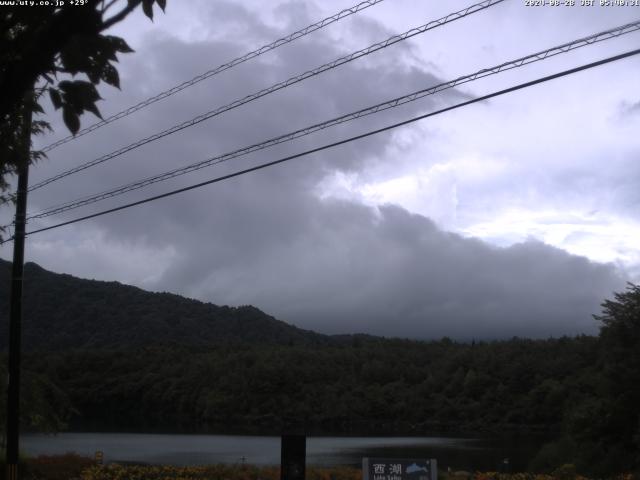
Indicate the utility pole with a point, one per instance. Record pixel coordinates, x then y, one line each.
15 308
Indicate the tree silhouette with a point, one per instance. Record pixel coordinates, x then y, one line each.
41 43
620 337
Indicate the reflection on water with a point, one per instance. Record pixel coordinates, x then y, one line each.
457 453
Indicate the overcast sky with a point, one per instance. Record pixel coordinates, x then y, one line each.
516 216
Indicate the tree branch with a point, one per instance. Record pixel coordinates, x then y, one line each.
108 6
118 17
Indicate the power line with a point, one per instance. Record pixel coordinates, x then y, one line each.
539 56
347 140
278 86
219 69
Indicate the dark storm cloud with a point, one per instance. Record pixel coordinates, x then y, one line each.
334 93
343 267
267 239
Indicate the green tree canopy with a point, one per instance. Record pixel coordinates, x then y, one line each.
42 43
620 336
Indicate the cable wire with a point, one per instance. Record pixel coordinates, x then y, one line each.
278 86
539 56
341 142
219 69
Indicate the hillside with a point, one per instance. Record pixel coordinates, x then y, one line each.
123 359
63 312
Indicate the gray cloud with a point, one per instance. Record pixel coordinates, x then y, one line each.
267 239
629 109
343 267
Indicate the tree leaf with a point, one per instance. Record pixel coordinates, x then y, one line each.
78 96
56 100
37 155
94 75
147 8
79 91
91 107
36 108
74 55
110 75
119 44
105 49
39 127
162 4
71 119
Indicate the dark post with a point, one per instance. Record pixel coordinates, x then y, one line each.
293 455
15 307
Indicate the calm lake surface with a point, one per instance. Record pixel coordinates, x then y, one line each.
457 453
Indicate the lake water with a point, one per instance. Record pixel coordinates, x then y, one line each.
457 453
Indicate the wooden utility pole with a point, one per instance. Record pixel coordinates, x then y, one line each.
15 307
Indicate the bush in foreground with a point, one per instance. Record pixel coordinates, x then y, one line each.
212 472
75 467
51 467
57 467
229 472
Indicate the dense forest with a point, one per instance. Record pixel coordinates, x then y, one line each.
104 356
373 386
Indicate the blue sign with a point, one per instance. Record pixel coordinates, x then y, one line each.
399 469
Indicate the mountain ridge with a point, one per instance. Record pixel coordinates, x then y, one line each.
62 311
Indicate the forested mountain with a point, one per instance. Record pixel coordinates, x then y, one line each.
62 312
105 356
